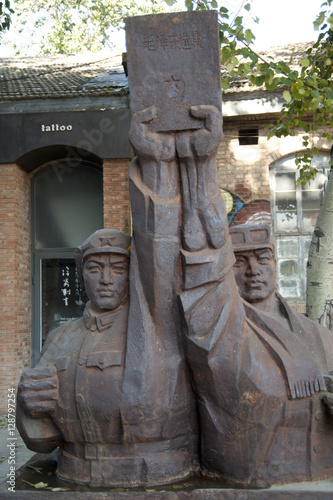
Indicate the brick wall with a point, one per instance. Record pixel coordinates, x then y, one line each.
116 196
244 170
15 279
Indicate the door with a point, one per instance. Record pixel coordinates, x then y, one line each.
67 206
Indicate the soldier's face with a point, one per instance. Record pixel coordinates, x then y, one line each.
106 280
255 274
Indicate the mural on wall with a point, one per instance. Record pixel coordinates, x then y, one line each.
241 211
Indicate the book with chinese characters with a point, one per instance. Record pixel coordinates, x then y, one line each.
173 63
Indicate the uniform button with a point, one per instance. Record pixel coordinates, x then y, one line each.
79 398
101 361
317 447
319 415
82 361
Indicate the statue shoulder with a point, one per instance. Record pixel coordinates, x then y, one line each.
55 335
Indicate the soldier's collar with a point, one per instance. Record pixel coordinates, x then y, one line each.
99 321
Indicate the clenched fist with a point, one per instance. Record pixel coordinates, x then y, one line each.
38 391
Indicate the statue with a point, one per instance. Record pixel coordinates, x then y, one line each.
262 372
111 389
183 339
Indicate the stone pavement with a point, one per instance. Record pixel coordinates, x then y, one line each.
18 454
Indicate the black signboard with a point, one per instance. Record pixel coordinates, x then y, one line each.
100 133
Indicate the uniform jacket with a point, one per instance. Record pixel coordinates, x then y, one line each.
259 385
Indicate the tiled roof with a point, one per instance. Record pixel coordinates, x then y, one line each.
93 74
61 76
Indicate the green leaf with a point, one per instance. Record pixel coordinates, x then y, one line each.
305 62
329 95
247 7
287 96
231 65
225 84
315 94
40 485
249 36
319 20
259 80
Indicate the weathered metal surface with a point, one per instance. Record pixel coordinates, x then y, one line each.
41 469
173 64
111 389
260 369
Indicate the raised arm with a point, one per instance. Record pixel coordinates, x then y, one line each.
204 216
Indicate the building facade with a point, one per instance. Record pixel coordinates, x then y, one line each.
63 167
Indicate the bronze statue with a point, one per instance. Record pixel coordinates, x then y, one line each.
261 371
111 388
169 342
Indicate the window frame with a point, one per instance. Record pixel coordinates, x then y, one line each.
41 252
300 233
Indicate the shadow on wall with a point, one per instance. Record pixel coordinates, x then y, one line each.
240 212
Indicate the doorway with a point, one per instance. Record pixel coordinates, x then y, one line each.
67 206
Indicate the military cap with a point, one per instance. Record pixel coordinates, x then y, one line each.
251 237
104 241
101 241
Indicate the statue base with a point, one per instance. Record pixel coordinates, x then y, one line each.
37 480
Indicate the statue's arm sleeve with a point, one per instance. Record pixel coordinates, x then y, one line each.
155 245
213 312
40 434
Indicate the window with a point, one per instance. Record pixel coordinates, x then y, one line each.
294 214
67 204
248 136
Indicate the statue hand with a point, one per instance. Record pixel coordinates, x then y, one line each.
203 142
150 145
204 210
38 391
207 139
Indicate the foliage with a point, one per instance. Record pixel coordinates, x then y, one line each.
309 93
308 89
74 26
5 15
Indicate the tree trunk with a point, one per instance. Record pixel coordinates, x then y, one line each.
319 292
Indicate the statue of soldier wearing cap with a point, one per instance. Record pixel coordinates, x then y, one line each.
112 389
262 372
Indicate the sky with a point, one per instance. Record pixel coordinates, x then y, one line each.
281 22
